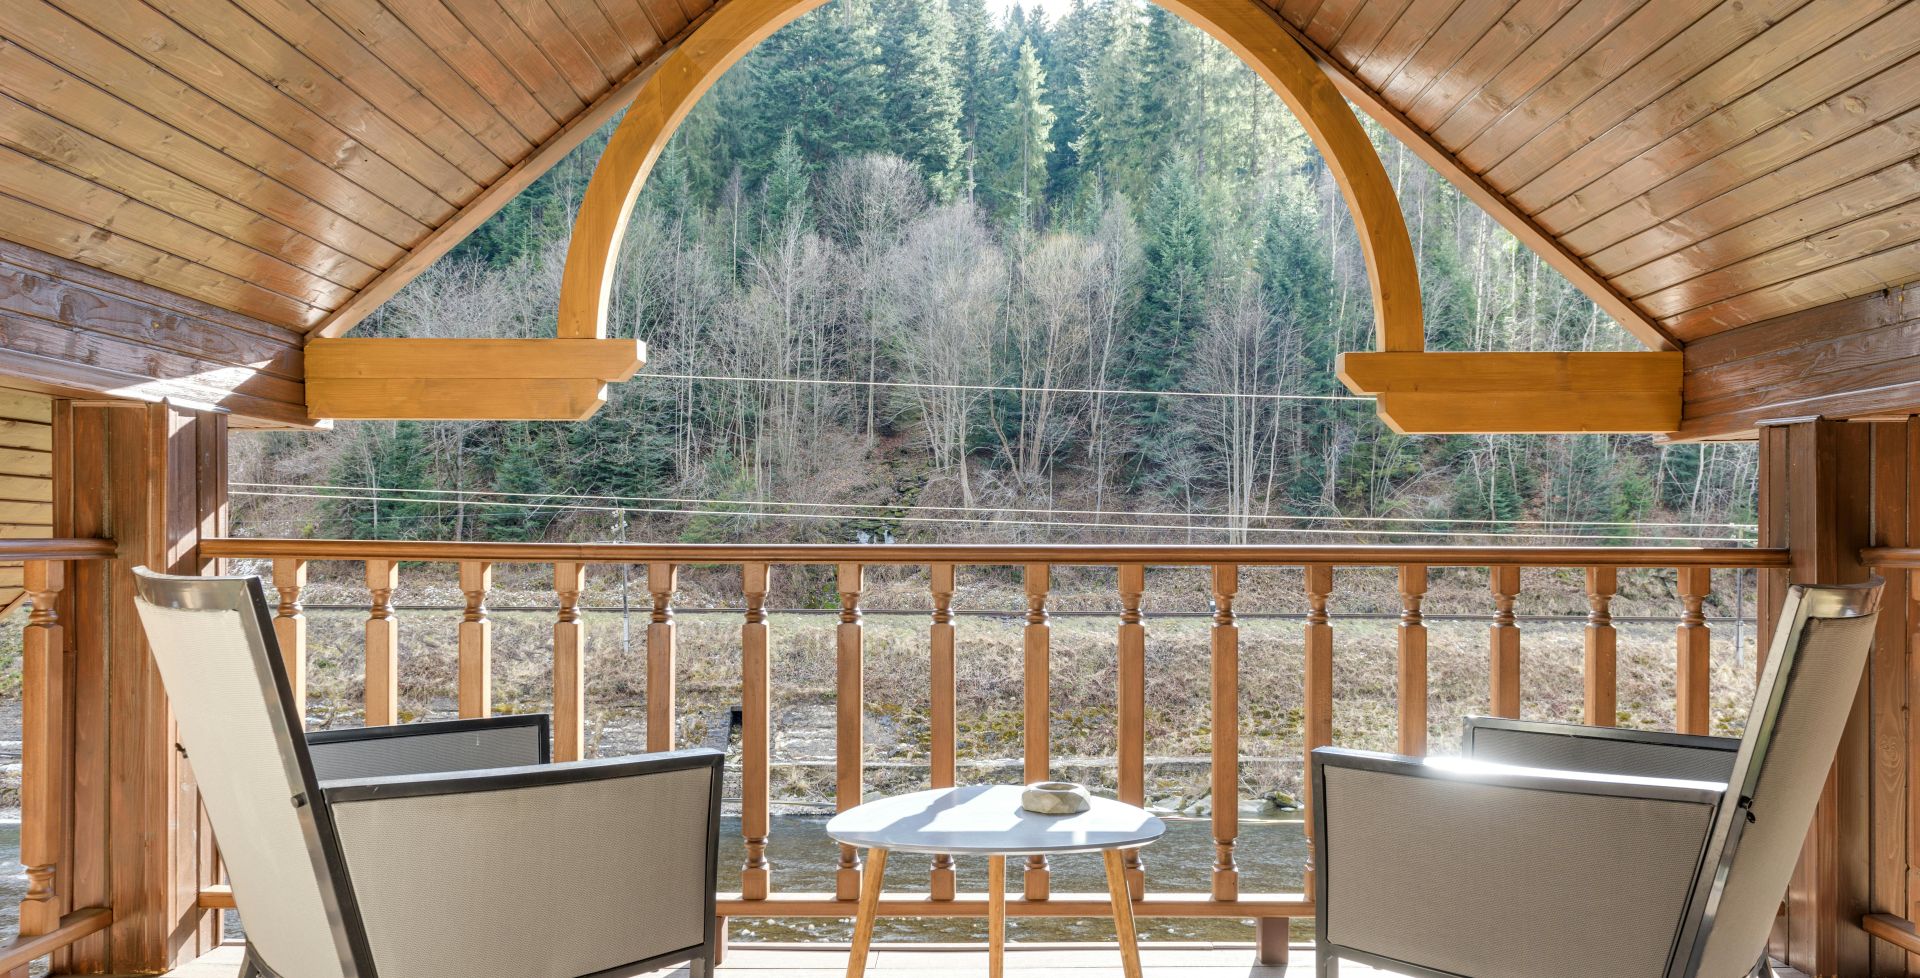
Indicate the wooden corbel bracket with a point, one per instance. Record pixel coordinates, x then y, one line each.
465 379
1430 393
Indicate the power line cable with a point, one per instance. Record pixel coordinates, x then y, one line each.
989 388
989 509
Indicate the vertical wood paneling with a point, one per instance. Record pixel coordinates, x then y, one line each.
42 747
1887 697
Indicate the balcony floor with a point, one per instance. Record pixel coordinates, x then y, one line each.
952 961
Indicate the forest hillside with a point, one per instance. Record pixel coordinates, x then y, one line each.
913 270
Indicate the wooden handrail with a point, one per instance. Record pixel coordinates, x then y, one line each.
1896 931
23 951
1903 558
59 548
1108 555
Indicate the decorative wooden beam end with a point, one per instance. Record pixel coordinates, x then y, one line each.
1519 393
466 379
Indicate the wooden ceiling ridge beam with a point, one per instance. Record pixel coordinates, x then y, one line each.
496 195
1610 300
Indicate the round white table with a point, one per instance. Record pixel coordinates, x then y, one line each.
987 820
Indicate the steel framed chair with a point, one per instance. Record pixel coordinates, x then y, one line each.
428 850
1584 852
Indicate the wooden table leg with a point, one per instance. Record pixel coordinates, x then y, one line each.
870 886
1122 911
996 916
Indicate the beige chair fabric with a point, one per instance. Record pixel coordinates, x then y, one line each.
212 671
552 881
1566 869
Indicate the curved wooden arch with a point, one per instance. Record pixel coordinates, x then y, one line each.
1248 29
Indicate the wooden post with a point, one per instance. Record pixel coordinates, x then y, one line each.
756 733
849 734
383 645
1132 679
290 625
1602 658
1318 708
662 638
1037 699
42 747
944 712
1412 663
1225 723
1693 678
476 641
569 664
1503 643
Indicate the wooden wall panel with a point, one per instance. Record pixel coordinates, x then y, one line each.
1858 358
26 479
153 478
67 327
1829 489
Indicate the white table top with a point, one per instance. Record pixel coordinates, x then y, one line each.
988 820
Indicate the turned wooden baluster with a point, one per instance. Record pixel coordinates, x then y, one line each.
1037 694
42 722
756 734
290 625
1132 677
1693 706
662 641
944 710
569 664
1225 723
476 640
1412 662
1503 643
1318 690
1602 650
383 644
849 740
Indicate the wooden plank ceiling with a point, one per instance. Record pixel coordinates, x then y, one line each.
276 158
1715 162
1705 163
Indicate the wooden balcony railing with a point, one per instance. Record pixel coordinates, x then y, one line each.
47 922
756 896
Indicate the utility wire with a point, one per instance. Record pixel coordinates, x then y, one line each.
1298 518
989 388
1071 524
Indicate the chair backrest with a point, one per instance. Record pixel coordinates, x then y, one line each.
213 641
1800 709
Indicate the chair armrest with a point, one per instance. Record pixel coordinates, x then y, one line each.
1469 868
1607 750
551 870
429 748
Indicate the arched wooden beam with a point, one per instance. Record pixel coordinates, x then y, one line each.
1244 26
733 28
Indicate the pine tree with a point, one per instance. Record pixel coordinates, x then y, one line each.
822 80
786 189
1179 266
925 105
980 78
1029 133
